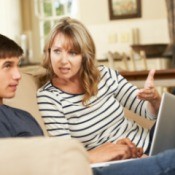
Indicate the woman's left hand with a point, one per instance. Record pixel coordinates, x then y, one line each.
150 93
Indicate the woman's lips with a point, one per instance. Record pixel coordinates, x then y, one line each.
64 70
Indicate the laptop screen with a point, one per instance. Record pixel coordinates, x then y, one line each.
164 134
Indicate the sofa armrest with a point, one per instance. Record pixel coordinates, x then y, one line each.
46 156
140 120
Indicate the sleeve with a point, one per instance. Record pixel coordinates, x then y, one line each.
51 111
126 94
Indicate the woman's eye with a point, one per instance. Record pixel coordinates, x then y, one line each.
57 51
72 53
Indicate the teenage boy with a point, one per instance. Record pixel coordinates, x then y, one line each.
13 122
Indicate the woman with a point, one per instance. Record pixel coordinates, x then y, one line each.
80 100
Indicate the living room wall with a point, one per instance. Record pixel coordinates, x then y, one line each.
96 11
116 35
11 23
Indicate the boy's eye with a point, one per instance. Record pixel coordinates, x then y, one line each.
7 65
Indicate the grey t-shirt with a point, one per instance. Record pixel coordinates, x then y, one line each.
17 123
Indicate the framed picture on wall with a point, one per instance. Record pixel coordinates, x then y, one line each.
124 9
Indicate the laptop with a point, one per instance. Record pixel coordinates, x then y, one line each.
164 134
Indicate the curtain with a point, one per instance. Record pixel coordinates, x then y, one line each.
170 5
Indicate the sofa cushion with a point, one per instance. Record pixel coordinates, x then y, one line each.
140 120
43 156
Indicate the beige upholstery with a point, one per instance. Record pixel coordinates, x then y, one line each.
43 156
142 121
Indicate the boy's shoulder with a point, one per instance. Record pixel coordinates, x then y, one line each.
16 109
13 113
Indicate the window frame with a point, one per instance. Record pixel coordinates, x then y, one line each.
42 19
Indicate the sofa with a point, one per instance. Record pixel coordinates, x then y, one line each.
43 155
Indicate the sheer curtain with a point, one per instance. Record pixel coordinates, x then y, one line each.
170 4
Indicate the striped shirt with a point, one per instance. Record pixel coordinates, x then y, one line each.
103 121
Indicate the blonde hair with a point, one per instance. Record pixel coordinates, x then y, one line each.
79 39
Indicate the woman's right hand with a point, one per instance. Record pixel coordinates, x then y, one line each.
135 151
122 149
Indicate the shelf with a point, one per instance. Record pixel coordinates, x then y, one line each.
151 50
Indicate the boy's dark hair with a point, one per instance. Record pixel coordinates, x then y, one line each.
9 48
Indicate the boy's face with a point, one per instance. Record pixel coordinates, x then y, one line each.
9 77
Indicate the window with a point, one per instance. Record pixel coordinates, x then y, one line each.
49 11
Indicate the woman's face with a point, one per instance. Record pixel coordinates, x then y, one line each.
65 61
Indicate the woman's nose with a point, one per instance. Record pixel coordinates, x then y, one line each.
64 57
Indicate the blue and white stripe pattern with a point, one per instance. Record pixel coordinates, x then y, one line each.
104 119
